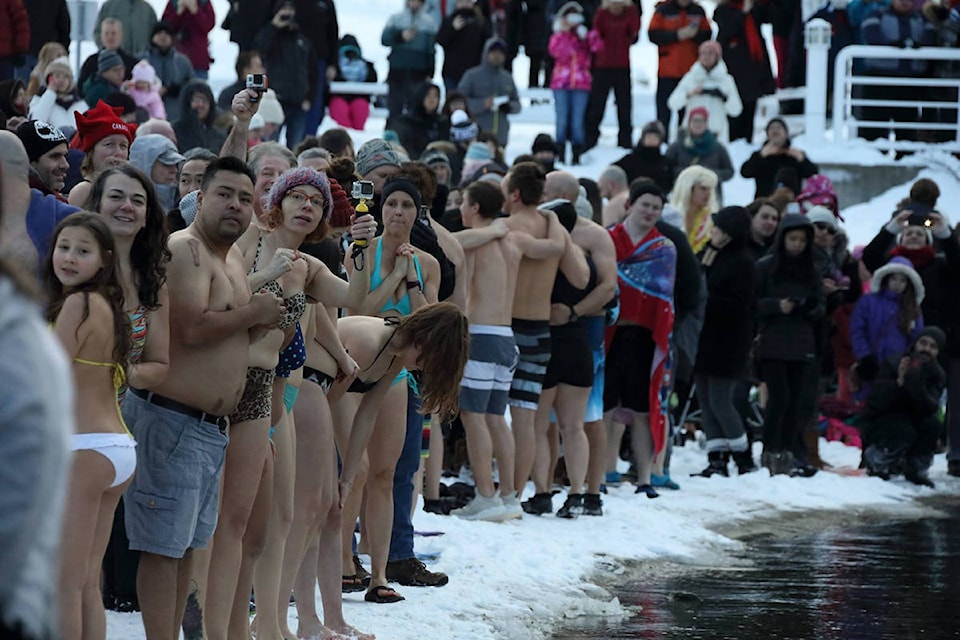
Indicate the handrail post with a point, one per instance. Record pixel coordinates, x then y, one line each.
817 36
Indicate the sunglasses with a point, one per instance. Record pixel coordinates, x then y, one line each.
822 226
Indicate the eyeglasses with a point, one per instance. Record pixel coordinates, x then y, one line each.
823 226
299 197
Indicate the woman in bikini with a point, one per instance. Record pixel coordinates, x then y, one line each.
86 309
298 210
433 340
402 279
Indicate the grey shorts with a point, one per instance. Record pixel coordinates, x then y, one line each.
486 378
533 339
172 504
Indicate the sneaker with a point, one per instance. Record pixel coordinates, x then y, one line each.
413 573
613 478
482 508
572 506
539 504
511 506
592 504
663 482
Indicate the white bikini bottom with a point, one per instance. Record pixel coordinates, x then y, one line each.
118 448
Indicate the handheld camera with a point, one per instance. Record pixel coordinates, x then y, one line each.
257 82
362 190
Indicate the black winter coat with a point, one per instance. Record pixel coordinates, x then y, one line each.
462 49
191 131
891 409
727 332
754 77
290 61
416 128
49 22
648 162
764 170
527 26
244 24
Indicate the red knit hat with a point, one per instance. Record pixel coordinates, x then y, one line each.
96 124
699 111
342 209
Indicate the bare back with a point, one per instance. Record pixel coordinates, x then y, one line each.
210 375
493 280
531 298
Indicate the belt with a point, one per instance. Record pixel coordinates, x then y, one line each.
218 421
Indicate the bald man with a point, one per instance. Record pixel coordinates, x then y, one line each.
29 216
614 188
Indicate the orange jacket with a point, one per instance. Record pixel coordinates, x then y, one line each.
677 56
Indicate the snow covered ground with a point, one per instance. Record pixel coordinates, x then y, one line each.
520 579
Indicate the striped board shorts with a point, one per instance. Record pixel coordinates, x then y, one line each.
533 340
489 371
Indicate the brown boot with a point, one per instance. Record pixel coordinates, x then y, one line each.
811 443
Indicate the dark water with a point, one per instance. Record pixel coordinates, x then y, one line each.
896 580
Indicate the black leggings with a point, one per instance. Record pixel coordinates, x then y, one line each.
784 414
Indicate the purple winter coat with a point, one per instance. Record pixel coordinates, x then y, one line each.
571 54
874 330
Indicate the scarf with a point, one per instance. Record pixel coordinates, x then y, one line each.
754 43
919 258
702 146
353 70
646 280
698 233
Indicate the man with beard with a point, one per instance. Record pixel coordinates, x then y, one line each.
899 423
47 150
171 507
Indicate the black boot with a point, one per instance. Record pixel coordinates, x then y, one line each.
717 465
572 507
539 504
744 460
577 150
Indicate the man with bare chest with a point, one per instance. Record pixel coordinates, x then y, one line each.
171 507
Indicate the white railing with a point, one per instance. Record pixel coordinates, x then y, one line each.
845 120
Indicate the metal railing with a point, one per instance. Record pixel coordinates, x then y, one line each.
847 119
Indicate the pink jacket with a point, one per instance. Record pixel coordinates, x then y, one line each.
571 69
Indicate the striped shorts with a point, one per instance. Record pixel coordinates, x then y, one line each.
533 339
489 371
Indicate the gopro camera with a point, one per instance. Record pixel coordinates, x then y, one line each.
362 189
257 82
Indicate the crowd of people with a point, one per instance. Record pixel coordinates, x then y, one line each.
254 354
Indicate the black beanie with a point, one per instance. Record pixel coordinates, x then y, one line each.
936 333
39 137
641 187
402 185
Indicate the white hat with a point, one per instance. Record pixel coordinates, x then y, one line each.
904 267
822 215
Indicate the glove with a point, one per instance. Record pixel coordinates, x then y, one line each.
716 93
868 368
582 31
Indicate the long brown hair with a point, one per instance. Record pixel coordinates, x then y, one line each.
909 310
106 282
441 332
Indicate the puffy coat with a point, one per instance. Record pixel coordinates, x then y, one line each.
618 33
706 152
15 29
874 327
764 170
571 55
417 54
193 31
416 128
484 81
677 56
138 18
718 95
793 336
47 106
191 131
650 163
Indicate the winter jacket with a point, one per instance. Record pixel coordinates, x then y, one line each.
462 49
718 94
417 54
371 76
764 170
648 162
940 272
50 108
49 22
96 88
527 25
43 216
193 31
89 68
754 78
485 81
14 28
618 33
790 337
416 128
175 71
244 24
727 333
138 18
571 55
677 56
318 19
706 152
888 28
191 131
290 61
874 327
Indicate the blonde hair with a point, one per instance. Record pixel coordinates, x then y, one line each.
47 54
692 176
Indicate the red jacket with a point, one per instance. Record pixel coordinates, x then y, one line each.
677 56
617 33
15 29
192 32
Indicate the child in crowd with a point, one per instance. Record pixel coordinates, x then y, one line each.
86 309
144 87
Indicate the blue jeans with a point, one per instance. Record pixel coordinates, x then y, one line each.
571 110
23 72
293 120
401 540
314 116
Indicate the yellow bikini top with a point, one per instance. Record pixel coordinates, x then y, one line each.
119 380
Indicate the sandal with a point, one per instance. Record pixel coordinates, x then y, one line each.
351 584
382 595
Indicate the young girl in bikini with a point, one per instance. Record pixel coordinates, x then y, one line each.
86 309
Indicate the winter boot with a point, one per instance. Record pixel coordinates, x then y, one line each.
717 465
592 504
539 504
577 150
785 463
572 507
744 460
811 443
